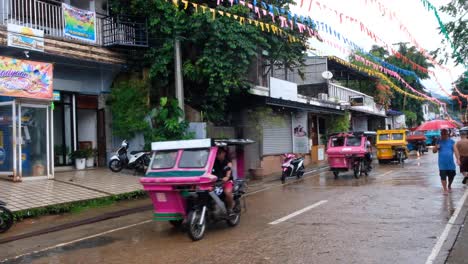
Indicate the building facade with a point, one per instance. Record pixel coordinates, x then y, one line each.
76 39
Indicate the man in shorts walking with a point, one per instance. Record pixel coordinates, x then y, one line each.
447 168
461 153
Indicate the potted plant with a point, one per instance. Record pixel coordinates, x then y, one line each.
91 154
79 156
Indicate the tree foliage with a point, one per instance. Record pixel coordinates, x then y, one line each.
217 53
457 30
384 95
132 114
129 106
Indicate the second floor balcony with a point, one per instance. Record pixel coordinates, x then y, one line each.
47 15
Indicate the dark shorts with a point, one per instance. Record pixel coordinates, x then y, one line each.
447 173
463 164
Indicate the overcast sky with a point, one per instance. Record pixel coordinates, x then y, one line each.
421 23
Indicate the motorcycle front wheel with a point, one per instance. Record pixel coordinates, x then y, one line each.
300 172
283 177
235 219
401 159
196 231
115 165
336 173
358 170
6 219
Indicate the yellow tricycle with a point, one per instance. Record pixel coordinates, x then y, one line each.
392 146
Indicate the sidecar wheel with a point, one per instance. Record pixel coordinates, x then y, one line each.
6 219
196 231
176 223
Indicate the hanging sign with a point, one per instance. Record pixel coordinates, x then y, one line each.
22 78
79 24
25 38
300 138
56 95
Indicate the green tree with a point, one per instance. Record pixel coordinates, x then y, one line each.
457 31
216 53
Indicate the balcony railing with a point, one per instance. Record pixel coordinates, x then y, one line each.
342 95
47 15
125 31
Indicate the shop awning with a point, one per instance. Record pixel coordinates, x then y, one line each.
305 107
391 112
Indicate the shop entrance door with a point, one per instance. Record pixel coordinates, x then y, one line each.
7 139
34 144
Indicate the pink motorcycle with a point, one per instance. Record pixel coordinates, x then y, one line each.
182 188
292 167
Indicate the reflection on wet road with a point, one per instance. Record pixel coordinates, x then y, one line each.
392 216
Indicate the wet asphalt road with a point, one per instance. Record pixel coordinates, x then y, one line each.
392 216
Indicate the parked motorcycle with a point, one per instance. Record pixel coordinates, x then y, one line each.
6 218
137 160
292 167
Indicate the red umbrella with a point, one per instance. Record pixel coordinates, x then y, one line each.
436 125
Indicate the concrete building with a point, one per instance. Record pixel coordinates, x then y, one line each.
69 45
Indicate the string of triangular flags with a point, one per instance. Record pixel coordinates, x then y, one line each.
367 31
265 27
443 29
382 77
285 16
395 75
377 39
394 68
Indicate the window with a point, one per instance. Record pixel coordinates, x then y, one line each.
194 158
164 159
384 137
398 136
353 142
337 141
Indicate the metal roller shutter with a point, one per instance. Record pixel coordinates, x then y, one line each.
277 136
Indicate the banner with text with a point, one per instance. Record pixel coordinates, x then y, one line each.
25 38
79 24
22 78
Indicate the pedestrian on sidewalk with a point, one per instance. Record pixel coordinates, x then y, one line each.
447 169
461 153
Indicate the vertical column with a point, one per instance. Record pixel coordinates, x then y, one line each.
179 85
20 145
74 122
14 137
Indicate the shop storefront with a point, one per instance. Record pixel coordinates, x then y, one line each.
26 119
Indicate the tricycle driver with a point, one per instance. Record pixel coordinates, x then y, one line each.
369 152
222 170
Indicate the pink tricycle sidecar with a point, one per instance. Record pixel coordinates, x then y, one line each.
348 151
182 188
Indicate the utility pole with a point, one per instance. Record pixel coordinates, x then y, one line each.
179 84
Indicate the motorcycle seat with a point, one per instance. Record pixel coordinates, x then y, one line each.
136 151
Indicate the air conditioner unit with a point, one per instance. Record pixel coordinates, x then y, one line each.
323 96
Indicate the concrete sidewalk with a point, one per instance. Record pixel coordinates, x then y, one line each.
459 252
66 187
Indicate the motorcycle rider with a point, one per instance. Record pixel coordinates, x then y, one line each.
369 152
222 169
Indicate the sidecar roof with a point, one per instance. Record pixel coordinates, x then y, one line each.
197 143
